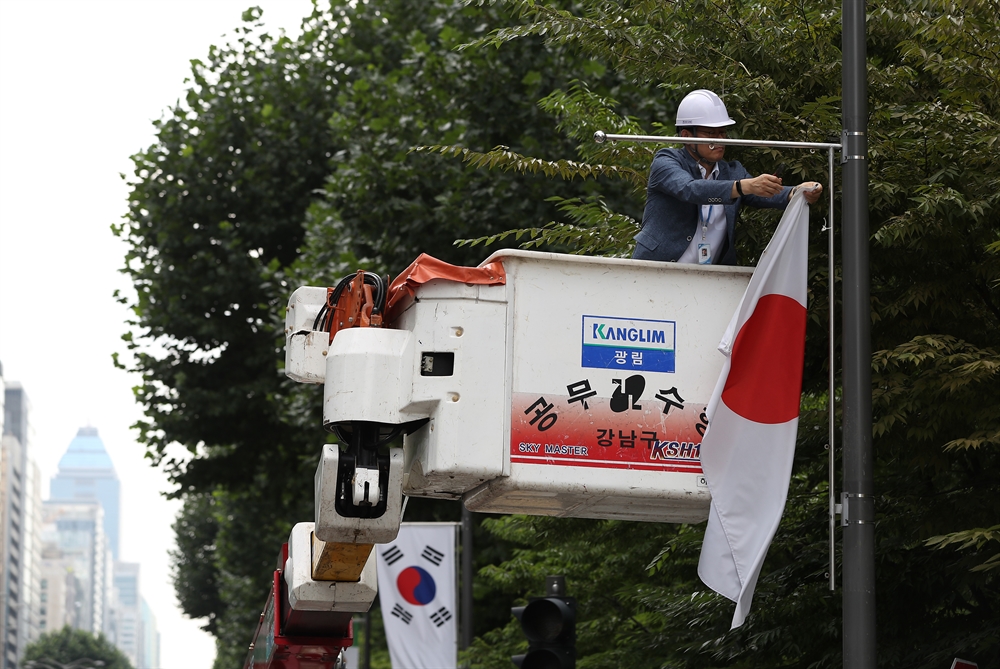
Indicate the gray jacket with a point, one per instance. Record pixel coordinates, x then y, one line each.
676 190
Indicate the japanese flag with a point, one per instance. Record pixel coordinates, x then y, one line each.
747 452
416 589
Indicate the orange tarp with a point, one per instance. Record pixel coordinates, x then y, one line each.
426 268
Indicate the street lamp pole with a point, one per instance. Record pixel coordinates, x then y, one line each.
858 507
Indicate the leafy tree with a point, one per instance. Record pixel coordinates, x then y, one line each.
218 198
194 564
385 204
70 645
216 201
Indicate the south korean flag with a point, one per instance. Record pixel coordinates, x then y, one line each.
416 587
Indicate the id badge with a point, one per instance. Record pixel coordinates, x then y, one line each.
704 254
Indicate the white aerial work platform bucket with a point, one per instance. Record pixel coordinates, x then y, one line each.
576 389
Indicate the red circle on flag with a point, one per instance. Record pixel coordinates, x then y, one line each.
765 374
416 586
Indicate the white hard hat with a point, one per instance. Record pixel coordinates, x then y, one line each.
702 108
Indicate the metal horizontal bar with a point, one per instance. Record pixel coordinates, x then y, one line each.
601 137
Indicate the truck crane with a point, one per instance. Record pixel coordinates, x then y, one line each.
535 383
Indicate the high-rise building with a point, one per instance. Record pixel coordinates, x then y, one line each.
127 624
87 473
57 558
3 502
10 551
133 629
19 545
5 464
32 555
149 654
91 589
61 597
75 548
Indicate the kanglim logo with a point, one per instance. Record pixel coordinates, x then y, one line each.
607 332
628 343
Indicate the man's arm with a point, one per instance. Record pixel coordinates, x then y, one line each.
669 176
766 186
755 191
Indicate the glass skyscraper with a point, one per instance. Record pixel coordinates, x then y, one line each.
87 474
86 555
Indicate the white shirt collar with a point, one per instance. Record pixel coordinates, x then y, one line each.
704 172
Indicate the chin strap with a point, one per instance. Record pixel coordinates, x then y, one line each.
693 151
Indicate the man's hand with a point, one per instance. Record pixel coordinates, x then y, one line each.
765 185
812 190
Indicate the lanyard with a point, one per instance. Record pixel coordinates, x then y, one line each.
701 210
704 219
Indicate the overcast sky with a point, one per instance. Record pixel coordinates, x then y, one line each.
80 83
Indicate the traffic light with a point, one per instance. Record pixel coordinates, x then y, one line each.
549 623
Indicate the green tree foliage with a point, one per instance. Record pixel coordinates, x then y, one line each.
70 645
385 204
217 202
194 561
217 199
936 312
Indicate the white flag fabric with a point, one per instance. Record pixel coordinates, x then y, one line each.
747 451
417 592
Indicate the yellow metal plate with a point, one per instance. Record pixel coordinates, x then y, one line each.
338 562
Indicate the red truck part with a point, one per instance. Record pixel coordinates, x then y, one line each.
289 639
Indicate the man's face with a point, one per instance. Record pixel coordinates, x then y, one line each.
707 154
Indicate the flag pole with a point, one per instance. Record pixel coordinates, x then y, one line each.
466 605
832 390
366 656
858 508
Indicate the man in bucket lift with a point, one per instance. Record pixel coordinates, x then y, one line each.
693 197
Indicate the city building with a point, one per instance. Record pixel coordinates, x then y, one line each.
76 560
150 646
84 583
61 595
127 622
29 629
58 562
20 502
86 473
